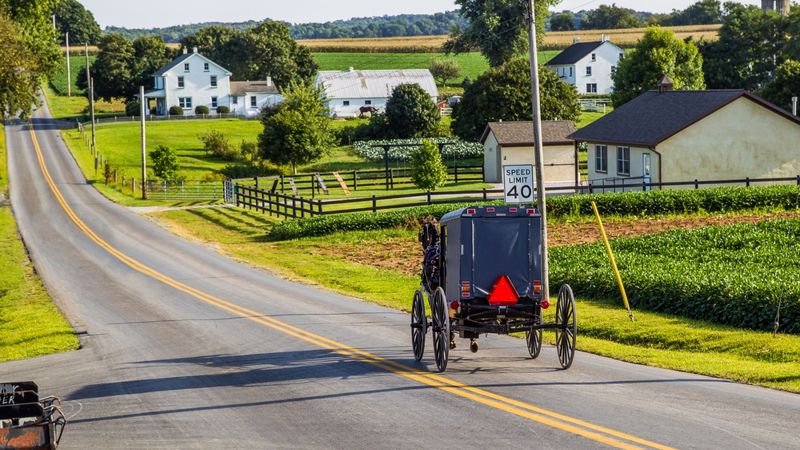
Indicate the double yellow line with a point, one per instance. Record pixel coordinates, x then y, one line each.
543 416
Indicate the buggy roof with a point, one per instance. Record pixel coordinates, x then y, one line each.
489 211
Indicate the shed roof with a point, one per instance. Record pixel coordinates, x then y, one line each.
574 53
373 83
520 134
239 88
654 117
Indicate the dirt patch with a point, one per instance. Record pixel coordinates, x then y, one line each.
403 255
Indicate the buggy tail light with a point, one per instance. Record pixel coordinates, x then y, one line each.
454 305
530 211
545 304
513 210
503 292
466 288
490 209
472 211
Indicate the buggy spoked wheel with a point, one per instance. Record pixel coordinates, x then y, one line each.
566 326
441 329
419 325
534 336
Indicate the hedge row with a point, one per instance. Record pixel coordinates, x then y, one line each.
623 204
734 275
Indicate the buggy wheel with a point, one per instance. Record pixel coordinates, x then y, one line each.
441 329
533 337
566 326
419 325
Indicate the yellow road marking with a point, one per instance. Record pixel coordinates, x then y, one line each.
516 407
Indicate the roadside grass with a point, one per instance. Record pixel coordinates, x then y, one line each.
77 106
656 339
32 325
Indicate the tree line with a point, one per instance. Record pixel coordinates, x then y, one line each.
604 17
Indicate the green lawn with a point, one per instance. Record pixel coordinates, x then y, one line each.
31 324
655 339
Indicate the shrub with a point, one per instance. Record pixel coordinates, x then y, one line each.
164 162
456 151
222 109
429 171
201 109
249 150
410 112
216 143
175 111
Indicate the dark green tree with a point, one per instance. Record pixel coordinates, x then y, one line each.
150 54
784 86
410 112
657 54
72 17
113 70
429 172
298 130
563 21
210 41
610 17
701 13
503 93
164 163
498 28
18 79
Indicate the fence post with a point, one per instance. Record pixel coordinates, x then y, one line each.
374 204
429 197
302 208
798 180
313 191
269 203
133 185
456 173
484 194
319 205
747 181
391 178
282 187
355 180
696 184
256 181
294 208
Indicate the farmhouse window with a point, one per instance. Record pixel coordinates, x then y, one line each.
213 81
570 71
185 67
253 101
235 100
621 55
623 160
367 102
213 102
346 103
588 71
205 67
591 88
185 102
180 82
601 158
594 57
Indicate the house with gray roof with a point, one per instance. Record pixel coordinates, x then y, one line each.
588 66
346 92
678 136
192 79
508 143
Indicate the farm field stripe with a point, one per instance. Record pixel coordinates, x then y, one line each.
496 401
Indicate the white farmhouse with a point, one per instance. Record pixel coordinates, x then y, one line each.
192 79
346 92
588 66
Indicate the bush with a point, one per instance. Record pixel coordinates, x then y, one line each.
456 151
164 163
222 109
249 170
175 111
132 108
216 143
429 171
410 112
201 110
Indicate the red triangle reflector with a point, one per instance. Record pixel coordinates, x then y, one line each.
503 292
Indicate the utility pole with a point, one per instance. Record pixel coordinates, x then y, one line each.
86 52
144 154
539 151
91 115
794 106
69 71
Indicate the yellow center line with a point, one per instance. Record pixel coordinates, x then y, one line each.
516 407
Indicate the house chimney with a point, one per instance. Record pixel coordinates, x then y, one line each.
194 49
665 85
576 39
269 81
794 106
604 38
185 50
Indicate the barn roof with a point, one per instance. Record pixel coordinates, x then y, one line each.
654 116
372 83
239 88
520 134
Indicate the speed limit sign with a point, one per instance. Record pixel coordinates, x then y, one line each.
518 183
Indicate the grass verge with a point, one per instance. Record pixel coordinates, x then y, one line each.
32 325
656 339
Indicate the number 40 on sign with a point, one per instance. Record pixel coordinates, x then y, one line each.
518 183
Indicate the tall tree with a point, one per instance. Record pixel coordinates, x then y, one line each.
211 42
150 54
657 54
410 112
113 70
701 13
563 21
610 17
18 71
784 86
72 17
444 69
298 130
503 93
498 28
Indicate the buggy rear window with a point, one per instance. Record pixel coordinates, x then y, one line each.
501 247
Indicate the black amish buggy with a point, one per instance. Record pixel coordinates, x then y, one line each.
26 421
481 274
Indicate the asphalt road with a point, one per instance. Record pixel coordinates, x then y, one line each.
183 348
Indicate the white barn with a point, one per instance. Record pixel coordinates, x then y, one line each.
192 79
588 66
347 91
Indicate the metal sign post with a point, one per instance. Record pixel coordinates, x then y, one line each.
518 183
539 151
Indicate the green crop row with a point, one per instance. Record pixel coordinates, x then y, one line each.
736 275
622 204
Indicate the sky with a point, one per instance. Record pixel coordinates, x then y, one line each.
163 13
